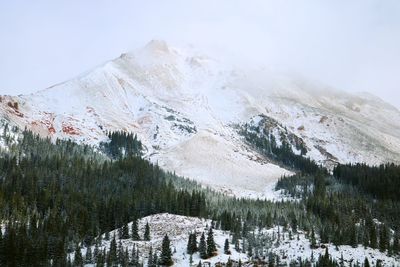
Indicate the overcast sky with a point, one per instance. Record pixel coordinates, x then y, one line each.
351 45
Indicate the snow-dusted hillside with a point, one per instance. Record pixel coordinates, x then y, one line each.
185 106
275 240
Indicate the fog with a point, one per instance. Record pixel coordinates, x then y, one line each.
351 45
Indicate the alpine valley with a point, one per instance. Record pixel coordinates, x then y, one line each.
166 156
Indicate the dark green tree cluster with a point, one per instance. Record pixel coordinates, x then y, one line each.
207 248
122 144
192 244
326 261
265 143
345 211
166 254
57 195
382 182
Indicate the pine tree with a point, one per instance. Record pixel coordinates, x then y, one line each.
383 238
166 254
125 232
120 253
150 259
192 244
237 245
189 245
135 231
155 260
147 232
373 236
226 247
203 247
250 250
366 262
353 236
211 247
313 241
95 252
112 257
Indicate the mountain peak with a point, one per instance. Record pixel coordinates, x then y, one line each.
158 46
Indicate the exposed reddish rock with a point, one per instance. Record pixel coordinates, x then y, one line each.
51 130
69 129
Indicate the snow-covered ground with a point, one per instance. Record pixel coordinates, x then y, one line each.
178 229
184 107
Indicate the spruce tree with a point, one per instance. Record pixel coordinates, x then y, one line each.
155 260
203 247
95 252
135 231
146 235
313 241
112 257
383 238
211 247
373 237
125 232
189 245
134 260
120 253
150 258
237 245
353 236
192 244
226 247
166 254
366 262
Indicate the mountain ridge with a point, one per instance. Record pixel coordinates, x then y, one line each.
185 106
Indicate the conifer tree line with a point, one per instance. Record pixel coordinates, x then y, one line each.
382 182
55 197
265 142
206 247
349 215
122 144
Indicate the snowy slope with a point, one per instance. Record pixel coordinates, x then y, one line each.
185 106
178 229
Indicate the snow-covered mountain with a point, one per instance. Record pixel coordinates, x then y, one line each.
185 107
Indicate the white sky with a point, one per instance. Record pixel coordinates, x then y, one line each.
351 45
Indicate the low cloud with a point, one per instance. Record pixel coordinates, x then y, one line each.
350 45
